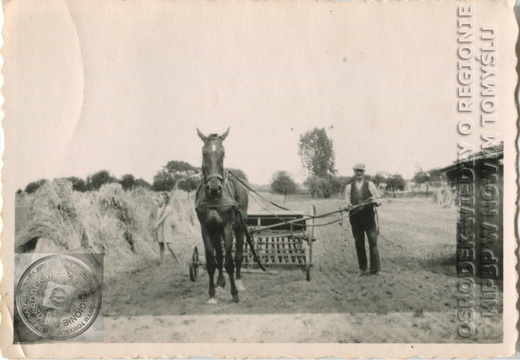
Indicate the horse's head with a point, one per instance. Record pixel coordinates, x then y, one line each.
213 162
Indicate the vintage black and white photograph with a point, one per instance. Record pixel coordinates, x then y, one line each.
261 172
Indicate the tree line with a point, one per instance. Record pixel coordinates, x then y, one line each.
175 173
326 187
316 152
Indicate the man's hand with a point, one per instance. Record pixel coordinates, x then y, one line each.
375 201
345 207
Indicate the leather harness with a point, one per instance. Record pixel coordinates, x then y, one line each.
227 201
218 202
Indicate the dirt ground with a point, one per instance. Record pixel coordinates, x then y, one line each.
413 300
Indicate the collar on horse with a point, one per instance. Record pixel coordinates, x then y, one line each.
225 200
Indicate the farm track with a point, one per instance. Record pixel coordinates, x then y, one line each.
415 291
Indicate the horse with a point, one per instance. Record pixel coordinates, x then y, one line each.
217 203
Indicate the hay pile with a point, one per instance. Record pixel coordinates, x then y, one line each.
111 221
444 197
52 216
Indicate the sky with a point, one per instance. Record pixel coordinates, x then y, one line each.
123 85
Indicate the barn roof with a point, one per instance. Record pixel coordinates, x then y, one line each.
495 152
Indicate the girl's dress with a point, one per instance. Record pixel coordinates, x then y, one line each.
165 229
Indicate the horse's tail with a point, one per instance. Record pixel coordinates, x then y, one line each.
249 239
243 202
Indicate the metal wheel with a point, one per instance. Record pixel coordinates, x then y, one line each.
308 249
194 264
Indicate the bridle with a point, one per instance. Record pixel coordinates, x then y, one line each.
207 178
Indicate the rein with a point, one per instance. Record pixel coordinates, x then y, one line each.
352 211
256 193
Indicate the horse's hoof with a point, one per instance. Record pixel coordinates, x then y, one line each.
221 282
212 301
240 286
235 299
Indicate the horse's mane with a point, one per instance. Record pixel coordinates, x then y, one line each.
213 135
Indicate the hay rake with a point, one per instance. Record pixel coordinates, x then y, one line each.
282 238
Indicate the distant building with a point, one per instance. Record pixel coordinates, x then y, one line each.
479 181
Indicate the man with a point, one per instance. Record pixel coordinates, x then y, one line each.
361 196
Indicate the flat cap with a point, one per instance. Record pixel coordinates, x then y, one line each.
359 166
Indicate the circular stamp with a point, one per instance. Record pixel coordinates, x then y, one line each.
58 297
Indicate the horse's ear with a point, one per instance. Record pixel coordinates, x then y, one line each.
201 135
223 136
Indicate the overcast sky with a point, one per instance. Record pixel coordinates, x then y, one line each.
122 85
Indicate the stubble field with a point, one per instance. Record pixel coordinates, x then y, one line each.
413 300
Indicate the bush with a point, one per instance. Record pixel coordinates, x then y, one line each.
326 187
318 187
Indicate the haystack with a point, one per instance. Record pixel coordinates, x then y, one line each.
444 197
53 222
111 221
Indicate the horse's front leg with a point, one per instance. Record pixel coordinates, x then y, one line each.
230 265
210 264
217 243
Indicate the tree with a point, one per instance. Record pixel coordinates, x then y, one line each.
95 181
163 181
190 182
437 176
78 184
395 182
142 183
127 181
175 166
379 178
319 187
283 184
317 154
35 185
339 183
422 177
239 173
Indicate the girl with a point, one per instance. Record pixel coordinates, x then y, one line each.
164 227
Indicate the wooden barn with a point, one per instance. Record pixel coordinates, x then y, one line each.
479 181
